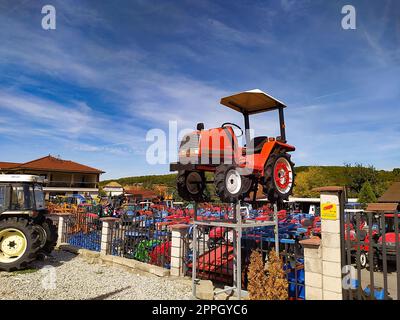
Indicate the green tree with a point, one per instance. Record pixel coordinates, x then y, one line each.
366 194
102 193
358 174
307 180
396 173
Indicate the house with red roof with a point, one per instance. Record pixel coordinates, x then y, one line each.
64 177
138 193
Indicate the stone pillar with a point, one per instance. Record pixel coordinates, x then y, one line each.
313 268
331 198
62 229
106 233
178 245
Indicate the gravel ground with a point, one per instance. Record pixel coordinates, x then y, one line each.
77 278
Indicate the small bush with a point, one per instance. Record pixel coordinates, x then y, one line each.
269 283
276 283
257 278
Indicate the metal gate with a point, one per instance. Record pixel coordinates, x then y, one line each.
83 230
219 250
370 252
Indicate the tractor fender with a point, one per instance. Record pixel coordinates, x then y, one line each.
284 146
270 146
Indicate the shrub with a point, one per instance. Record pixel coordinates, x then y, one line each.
257 285
277 284
267 284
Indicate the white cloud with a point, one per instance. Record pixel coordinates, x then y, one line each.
144 89
68 123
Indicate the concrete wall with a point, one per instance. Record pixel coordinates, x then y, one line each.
313 269
322 257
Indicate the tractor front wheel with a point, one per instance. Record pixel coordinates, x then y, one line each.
230 185
19 243
191 186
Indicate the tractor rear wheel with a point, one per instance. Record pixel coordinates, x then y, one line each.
278 176
19 243
230 185
51 236
191 185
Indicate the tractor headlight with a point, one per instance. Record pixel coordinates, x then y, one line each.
194 151
189 152
183 152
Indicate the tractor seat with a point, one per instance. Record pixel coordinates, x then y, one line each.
257 143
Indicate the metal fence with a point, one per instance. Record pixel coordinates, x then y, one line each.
145 238
83 230
371 255
216 254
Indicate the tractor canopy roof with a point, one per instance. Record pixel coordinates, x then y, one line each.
252 101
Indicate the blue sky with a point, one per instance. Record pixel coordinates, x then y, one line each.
112 70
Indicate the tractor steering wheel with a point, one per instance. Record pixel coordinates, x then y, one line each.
234 125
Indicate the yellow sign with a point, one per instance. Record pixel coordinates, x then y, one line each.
329 211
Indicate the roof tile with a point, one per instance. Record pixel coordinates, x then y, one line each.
51 163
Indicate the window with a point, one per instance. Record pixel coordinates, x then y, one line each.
4 198
22 197
39 197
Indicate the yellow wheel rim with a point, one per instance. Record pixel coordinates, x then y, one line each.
12 245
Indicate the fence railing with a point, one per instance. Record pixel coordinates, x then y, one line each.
148 238
216 254
144 238
371 247
83 230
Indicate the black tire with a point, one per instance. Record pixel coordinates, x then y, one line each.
363 259
26 227
270 187
377 262
221 187
190 191
211 244
51 236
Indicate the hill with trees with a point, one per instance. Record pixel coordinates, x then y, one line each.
307 177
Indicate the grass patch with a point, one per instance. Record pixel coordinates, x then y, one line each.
25 271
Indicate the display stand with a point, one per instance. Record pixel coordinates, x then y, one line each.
237 225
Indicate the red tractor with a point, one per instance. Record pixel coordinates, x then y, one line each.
238 171
388 240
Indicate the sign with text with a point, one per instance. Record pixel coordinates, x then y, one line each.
329 211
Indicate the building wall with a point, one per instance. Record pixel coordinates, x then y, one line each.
61 179
66 183
113 191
